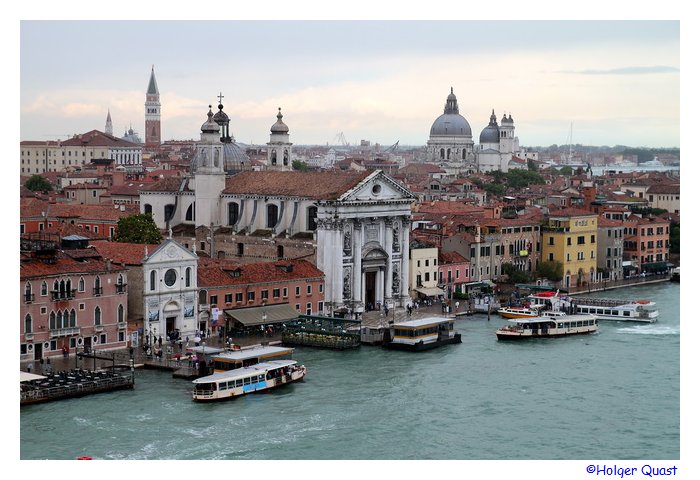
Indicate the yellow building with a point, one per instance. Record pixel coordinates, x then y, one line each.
570 237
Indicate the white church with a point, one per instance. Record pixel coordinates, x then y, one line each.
451 144
359 222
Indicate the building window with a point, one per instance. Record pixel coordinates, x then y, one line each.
188 276
98 316
189 216
228 298
320 288
297 291
120 313
284 292
320 307
263 295
239 297
308 289
214 300
275 292
97 290
239 249
311 214
147 209
44 289
152 283
568 241
308 309
28 324
272 212
251 296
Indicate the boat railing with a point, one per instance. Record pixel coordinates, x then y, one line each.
600 302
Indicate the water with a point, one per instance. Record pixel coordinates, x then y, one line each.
614 394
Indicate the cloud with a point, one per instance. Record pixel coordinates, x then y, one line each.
628 71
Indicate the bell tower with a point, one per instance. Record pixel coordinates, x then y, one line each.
152 106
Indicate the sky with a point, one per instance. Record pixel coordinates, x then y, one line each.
563 81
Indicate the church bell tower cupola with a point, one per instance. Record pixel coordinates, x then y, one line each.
279 148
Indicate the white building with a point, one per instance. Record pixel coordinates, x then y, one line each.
170 292
359 221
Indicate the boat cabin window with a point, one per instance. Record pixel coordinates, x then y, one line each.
560 325
584 310
246 381
626 313
607 312
206 386
615 312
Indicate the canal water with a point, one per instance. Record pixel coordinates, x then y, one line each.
610 395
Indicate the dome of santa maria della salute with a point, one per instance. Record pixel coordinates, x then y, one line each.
451 123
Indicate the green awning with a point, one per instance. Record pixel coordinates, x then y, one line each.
268 314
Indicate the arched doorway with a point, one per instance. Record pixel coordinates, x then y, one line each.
171 312
374 261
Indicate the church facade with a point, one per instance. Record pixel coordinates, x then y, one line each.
357 223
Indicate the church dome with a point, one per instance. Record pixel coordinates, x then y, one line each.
235 158
220 117
279 126
451 123
490 134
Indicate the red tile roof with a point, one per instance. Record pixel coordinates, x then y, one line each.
447 258
314 185
216 273
64 264
123 253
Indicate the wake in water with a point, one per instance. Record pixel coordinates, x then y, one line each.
652 330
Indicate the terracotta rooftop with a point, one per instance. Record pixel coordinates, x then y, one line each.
215 273
169 184
64 264
447 258
123 253
571 212
314 185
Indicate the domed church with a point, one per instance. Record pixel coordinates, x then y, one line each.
451 141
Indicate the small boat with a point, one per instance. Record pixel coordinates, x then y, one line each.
554 324
518 312
421 334
241 381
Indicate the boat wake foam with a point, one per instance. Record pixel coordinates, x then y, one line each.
652 330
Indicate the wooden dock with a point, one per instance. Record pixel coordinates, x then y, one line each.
71 384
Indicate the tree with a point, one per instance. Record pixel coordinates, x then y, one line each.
566 170
514 275
299 165
552 270
138 228
37 183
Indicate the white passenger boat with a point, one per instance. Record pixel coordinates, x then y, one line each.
603 308
240 358
241 381
553 324
421 334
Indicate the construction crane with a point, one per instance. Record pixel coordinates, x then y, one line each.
340 139
393 148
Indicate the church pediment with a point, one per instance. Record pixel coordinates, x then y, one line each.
377 187
170 251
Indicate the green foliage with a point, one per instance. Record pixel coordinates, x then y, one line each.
495 189
531 165
37 183
299 165
566 170
552 270
138 228
515 275
513 179
675 238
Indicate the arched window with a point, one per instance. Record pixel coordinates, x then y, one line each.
120 280
147 209
272 212
273 158
152 283
449 153
120 313
98 285
286 157
72 318
168 212
232 213
203 297
98 316
442 153
189 216
27 289
216 157
188 276
62 289
311 214
81 284
28 324
52 321
464 153
44 289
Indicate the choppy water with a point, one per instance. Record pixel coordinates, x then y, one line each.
614 394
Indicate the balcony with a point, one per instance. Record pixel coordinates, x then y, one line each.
28 297
97 291
99 328
29 336
121 288
57 295
121 325
64 332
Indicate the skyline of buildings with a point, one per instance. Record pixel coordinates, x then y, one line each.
377 81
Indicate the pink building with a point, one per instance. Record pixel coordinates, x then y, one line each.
69 298
646 243
453 272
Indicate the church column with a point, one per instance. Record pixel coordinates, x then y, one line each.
405 229
388 240
357 266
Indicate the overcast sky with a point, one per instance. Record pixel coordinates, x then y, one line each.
605 82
